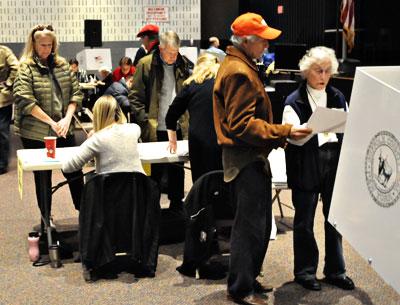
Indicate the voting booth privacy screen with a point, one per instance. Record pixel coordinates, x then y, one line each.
93 59
366 199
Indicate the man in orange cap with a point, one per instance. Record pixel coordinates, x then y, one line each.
243 123
149 37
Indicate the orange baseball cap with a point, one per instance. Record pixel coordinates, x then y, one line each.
253 24
148 29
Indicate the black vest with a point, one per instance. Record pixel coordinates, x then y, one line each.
302 161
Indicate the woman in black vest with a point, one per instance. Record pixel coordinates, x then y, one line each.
311 169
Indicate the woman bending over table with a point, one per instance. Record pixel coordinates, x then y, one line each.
114 143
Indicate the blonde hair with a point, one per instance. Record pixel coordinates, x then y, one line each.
206 67
106 111
317 55
37 32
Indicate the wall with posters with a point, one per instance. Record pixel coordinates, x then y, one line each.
121 19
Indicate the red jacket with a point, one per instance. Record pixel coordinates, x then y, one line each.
117 74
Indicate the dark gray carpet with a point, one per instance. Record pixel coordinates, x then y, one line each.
23 284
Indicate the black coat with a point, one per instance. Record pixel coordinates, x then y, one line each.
204 151
207 201
120 212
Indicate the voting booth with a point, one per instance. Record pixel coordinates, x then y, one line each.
190 53
93 59
366 199
131 53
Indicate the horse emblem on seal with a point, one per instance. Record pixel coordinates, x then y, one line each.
382 169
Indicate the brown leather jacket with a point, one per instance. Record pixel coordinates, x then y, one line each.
243 114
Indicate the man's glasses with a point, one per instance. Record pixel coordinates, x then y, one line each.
41 27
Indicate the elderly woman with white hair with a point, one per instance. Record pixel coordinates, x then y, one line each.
311 169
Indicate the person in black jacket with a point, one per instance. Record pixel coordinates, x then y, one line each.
311 169
196 97
119 90
105 80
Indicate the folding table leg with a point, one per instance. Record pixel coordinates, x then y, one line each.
45 205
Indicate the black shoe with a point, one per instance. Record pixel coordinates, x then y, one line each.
260 288
345 283
310 284
3 171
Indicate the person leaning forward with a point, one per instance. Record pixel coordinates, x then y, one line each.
243 123
158 79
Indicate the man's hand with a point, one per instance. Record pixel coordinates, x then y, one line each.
297 133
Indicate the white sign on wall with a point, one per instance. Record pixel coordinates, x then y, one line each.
366 199
156 14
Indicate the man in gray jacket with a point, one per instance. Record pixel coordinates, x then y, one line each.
8 70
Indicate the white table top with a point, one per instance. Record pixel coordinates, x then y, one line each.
152 152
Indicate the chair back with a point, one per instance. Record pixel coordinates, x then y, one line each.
208 208
119 213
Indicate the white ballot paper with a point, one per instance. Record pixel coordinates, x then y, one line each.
327 120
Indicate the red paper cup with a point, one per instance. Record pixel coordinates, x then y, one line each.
50 144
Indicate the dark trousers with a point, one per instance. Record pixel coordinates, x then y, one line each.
252 194
5 120
304 244
175 173
204 157
75 185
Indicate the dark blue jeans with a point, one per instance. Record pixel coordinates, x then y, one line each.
251 193
5 120
304 244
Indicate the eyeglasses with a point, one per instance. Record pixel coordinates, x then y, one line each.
41 27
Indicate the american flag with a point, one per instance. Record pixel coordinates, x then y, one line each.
347 19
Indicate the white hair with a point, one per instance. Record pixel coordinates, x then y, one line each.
238 40
170 39
317 55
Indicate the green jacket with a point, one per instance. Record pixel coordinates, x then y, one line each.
8 70
145 94
34 87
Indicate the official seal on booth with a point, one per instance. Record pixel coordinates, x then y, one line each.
382 168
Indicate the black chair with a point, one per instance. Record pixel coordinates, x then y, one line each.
210 217
119 215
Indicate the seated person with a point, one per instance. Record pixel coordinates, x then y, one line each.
113 143
124 69
80 74
106 79
119 90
